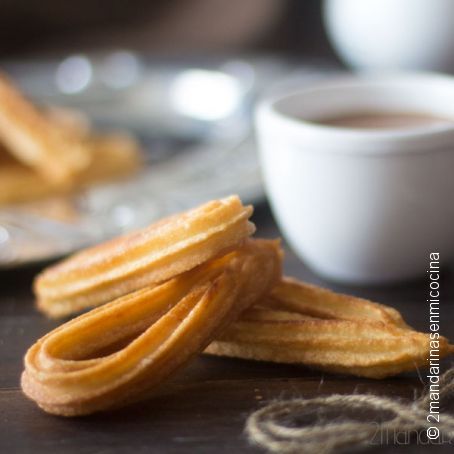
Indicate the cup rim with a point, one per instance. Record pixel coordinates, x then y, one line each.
408 138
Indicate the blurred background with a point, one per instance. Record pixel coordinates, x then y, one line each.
183 78
34 28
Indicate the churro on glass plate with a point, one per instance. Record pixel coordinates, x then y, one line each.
35 140
53 151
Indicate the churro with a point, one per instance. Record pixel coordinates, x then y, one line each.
34 140
143 258
304 324
113 156
53 151
120 352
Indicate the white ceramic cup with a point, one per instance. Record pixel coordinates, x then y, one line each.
392 34
362 206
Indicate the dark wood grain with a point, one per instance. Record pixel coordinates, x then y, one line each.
204 408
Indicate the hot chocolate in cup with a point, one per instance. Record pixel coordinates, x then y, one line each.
363 202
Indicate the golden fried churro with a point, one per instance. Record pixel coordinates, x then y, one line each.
53 151
120 352
19 183
113 156
142 258
35 141
303 324
295 296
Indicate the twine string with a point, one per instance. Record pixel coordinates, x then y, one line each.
269 427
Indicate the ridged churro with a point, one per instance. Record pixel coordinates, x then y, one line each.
120 352
304 324
142 258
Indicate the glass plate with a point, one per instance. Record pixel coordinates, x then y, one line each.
193 119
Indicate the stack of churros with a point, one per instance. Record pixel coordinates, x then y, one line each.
54 151
191 283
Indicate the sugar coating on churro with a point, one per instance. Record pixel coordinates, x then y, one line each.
303 324
120 352
145 257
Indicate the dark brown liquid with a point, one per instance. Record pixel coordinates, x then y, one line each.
384 120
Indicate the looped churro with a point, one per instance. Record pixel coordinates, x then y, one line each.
303 324
119 352
149 256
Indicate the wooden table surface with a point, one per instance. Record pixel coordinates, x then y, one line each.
204 409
